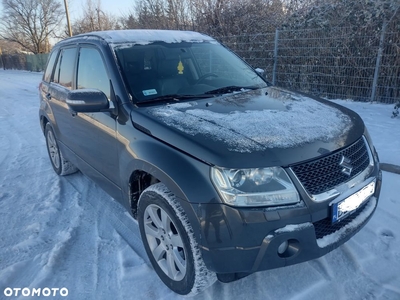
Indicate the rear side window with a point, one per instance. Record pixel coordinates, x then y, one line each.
50 66
92 72
65 68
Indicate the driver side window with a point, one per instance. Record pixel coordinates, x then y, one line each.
92 73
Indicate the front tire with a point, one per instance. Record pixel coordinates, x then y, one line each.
169 242
60 165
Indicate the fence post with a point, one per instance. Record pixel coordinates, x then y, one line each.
275 56
2 59
378 61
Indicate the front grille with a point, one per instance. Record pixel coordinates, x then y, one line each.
325 227
323 174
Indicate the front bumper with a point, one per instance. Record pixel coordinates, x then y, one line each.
245 241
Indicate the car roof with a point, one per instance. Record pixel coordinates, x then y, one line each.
144 36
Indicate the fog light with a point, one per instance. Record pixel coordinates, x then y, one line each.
283 247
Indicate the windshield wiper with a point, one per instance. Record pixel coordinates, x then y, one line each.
231 89
174 97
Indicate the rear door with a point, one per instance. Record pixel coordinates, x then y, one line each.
61 83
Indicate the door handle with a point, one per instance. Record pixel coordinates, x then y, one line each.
48 96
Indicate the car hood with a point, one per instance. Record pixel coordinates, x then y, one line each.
259 128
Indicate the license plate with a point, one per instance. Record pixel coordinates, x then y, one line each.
345 207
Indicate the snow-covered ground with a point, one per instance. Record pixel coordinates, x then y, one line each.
65 232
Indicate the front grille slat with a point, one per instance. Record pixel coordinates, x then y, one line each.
325 173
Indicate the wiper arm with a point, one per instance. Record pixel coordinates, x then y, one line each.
230 89
174 97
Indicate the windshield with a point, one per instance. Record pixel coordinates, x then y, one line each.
186 70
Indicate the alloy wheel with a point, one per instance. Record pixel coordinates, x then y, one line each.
165 242
53 149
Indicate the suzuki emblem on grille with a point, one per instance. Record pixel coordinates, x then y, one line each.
346 166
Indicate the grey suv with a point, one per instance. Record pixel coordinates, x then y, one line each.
226 174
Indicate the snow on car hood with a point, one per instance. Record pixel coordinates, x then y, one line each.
271 121
302 120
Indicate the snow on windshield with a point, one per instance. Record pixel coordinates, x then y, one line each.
303 121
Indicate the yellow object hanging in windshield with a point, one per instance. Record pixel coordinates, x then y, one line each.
180 67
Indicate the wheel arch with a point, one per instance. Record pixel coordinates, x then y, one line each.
43 122
186 177
145 176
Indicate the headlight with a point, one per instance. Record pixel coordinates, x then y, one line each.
254 187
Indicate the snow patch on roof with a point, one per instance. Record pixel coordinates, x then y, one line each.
144 37
304 121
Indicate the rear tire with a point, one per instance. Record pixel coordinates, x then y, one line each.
60 165
169 242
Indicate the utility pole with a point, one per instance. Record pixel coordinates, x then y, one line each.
68 22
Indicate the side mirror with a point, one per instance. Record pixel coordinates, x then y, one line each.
87 100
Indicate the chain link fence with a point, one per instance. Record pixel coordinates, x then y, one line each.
22 61
332 63
345 63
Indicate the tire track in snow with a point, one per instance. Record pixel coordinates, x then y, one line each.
113 228
5 140
74 254
107 263
30 194
115 214
10 148
377 245
322 267
41 244
30 240
26 161
53 212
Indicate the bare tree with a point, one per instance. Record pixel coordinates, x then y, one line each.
94 19
180 14
160 14
30 23
233 17
7 47
367 15
153 14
